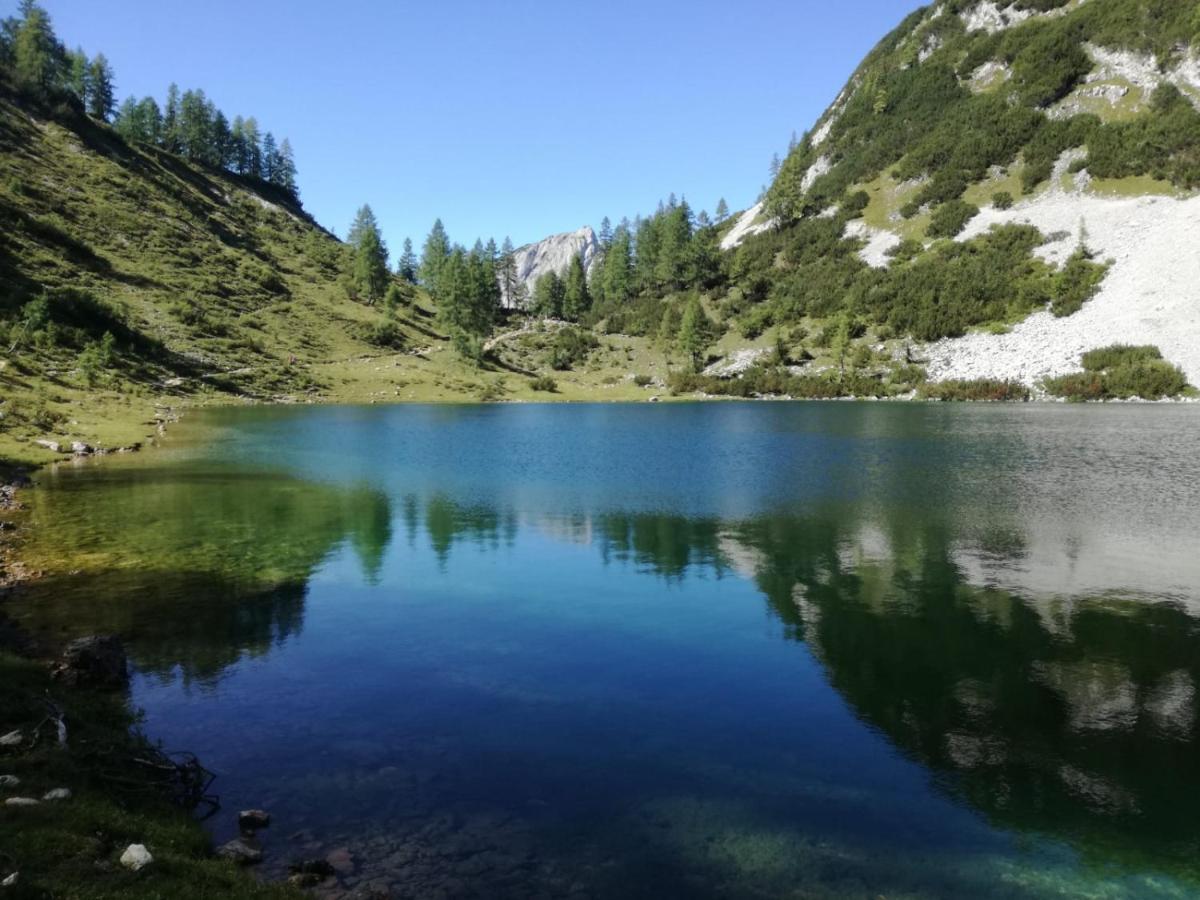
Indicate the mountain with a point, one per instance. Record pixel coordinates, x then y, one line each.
1012 184
554 254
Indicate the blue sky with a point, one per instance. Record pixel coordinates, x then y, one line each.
521 118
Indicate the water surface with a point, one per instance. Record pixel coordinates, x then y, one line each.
733 650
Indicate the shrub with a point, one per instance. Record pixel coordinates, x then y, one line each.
1002 200
571 346
986 389
545 384
951 218
382 334
1120 372
643 380
1076 283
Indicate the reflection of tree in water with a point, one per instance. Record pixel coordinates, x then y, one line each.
448 522
666 544
195 569
1086 734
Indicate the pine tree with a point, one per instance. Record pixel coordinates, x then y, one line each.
222 141
270 153
38 58
576 300
693 333
79 74
285 169
722 210
254 160
434 256
101 94
406 268
616 269
512 289
606 233
369 275
239 153
775 166
171 120
702 220
548 296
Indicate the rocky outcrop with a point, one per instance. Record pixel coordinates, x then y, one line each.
749 223
554 254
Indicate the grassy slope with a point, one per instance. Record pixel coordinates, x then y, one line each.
217 291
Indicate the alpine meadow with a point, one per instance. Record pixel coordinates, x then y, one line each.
839 542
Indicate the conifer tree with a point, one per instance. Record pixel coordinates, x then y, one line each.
512 289
270 154
369 275
171 120
101 94
285 169
693 333
548 296
722 210
406 268
775 166
78 74
38 58
606 233
254 160
434 256
616 269
576 300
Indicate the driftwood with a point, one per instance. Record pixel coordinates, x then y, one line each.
182 776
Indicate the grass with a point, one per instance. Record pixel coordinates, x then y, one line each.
70 848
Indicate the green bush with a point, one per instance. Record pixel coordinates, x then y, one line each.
571 346
985 389
951 218
545 384
1002 200
643 380
1076 283
1119 355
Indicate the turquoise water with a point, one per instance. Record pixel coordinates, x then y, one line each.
733 650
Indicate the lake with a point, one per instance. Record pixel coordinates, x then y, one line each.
718 650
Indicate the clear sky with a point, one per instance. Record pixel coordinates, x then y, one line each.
516 118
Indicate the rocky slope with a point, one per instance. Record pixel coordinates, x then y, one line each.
1077 117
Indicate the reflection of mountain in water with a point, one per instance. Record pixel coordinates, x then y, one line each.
196 569
1071 716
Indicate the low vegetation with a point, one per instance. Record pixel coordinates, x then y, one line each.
1120 372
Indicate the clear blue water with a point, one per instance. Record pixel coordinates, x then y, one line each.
734 650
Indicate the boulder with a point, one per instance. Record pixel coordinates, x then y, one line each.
52 446
12 739
136 857
57 794
96 661
11 880
309 872
253 819
240 852
9 781
79 448
17 802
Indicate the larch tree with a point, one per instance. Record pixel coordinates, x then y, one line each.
576 300
101 92
369 272
722 210
434 256
406 267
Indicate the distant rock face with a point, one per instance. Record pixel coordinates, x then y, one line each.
554 254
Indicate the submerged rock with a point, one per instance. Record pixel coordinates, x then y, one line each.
9 781
309 872
253 819
57 794
342 860
136 857
11 880
12 739
240 852
16 802
97 661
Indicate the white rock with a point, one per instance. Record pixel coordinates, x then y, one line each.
17 802
879 242
12 739
136 857
554 254
11 880
749 223
57 794
9 781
